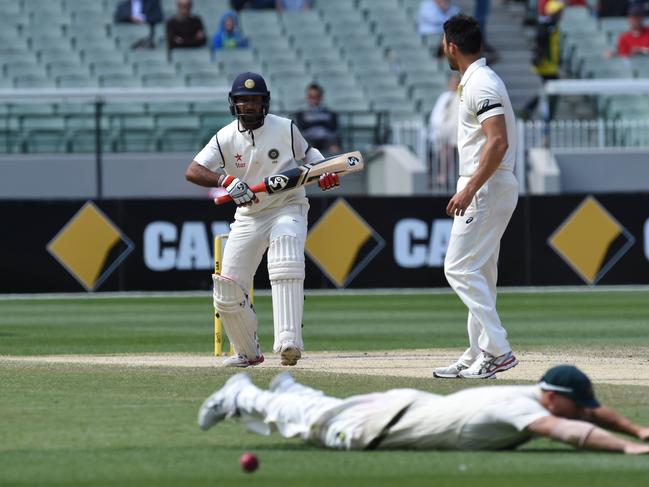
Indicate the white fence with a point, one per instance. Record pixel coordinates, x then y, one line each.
558 134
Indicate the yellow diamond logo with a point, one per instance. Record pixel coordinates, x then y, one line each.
90 247
342 243
591 240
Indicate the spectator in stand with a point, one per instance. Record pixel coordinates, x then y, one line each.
293 5
228 36
635 41
612 8
252 4
569 3
442 131
140 12
318 125
185 29
433 14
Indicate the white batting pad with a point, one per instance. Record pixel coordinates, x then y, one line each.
238 317
286 273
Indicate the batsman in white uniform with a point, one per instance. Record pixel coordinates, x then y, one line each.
487 193
561 406
255 145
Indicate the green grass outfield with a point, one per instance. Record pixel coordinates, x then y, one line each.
119 425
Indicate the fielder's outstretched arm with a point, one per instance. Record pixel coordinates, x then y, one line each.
582 434
612 420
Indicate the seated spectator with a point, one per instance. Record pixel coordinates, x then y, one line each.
228 36
612 8
568 3
433 14
252 4
185 29
547 42
293 5
318 125
442 133
636 40
140 12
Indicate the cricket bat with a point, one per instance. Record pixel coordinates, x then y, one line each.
303 175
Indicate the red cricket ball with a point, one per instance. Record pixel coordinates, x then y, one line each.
248 462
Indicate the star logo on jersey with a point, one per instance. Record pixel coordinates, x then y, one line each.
238 157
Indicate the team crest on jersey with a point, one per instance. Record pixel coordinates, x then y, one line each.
273 154
238 161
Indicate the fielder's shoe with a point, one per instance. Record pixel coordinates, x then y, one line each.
281 382
450 372
241 361
487 365
222 404
289 354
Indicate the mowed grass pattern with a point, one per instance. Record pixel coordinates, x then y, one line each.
134 426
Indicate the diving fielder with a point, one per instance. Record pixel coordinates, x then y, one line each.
255 145
561 406
487 192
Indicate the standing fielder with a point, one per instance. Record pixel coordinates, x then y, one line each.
255 145
487 192
561 406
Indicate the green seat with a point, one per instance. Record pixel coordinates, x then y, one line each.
42 134
33 81
143 55
14 20
348 103
80 134
212 107
136 134
101 55
123 109
76 109
206 79
159 108
211 123
68 67
76 81
49 42
127 34
153 66
178 133
23 68
166 80
20 110
119 81
191 56
111 68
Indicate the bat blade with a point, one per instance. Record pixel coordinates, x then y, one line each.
307 174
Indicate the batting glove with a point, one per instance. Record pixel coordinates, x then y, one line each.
239 191
328 180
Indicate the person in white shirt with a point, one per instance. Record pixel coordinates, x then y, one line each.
487 193
561 406
255 145
432 15
442 133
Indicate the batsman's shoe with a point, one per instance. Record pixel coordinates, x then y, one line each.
241 361
486 365
281 382
222 404
289 354
450 372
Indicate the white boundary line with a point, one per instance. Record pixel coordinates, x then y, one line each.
327 292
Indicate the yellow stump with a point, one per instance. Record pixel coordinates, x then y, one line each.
218 324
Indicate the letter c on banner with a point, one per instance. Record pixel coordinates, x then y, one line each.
156 257
406 253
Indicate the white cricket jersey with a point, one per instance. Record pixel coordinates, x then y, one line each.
478 418
252 155
482 95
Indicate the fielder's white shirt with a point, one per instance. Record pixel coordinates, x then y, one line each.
482 95
252 155
487 418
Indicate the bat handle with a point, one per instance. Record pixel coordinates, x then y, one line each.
226 198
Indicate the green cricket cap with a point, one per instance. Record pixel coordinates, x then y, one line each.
572 383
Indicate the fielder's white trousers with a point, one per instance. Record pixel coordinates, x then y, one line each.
349 424
471 263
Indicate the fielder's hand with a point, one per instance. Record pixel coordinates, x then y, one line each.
240 192
328 180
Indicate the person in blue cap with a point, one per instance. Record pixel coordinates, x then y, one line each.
255 145
561 406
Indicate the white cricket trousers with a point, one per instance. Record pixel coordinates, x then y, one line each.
250 236
346 424
471 263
